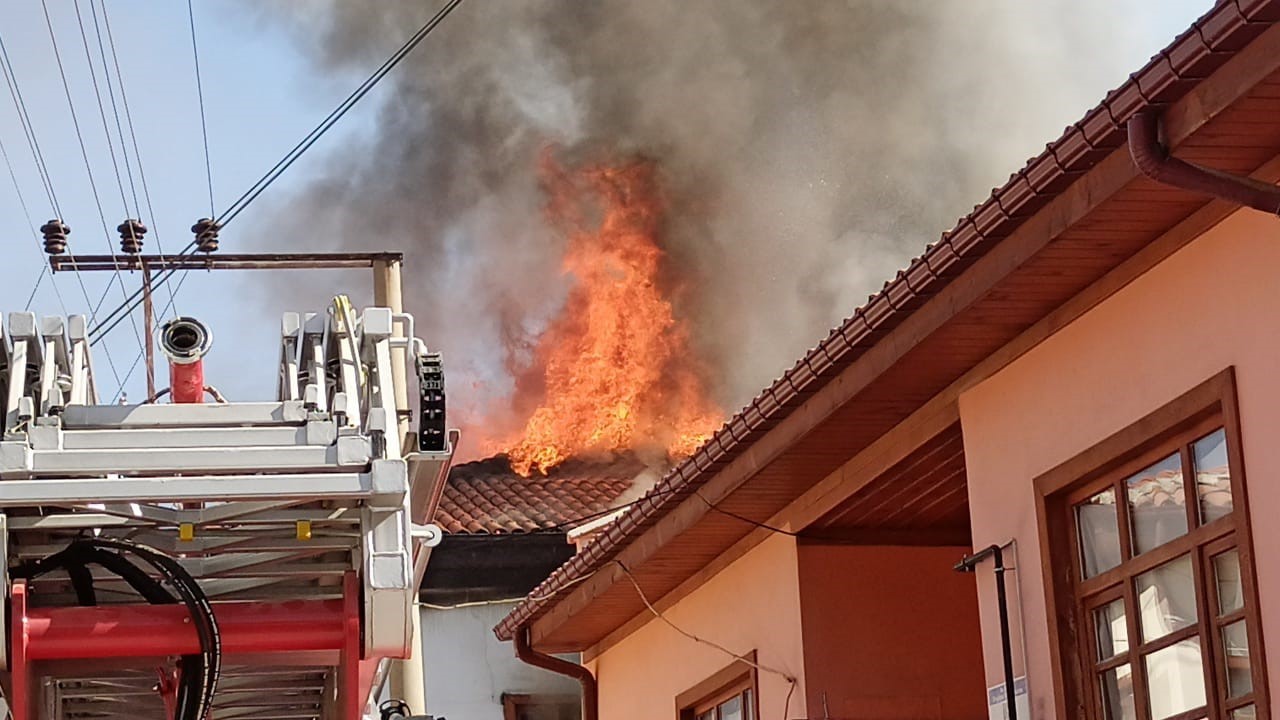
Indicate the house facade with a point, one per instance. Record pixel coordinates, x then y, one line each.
503 534
1031 477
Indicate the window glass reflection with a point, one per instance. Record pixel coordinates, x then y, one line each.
1109 624
1175 679
1235 643
1157 504
731 709
1213 476
1166 598
1117 694
1099 533
1226 572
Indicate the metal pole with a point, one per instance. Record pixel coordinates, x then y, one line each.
406 676
967 564
148 329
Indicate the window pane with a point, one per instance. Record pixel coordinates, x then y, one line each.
748 707
1213 476
1175 679
1248 712
1113 637
1226 571
1117 694
1235 641
1099 533
731 709
1157 504
1167 598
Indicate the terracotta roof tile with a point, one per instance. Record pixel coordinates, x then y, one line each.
487 497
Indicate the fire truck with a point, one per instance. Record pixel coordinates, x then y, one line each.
193 556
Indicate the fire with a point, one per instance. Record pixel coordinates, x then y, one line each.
618 368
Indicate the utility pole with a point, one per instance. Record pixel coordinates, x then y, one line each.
407 677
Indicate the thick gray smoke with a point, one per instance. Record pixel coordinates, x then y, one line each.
808 149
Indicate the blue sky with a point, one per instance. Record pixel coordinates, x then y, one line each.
262 94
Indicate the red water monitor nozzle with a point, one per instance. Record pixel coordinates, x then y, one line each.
185 341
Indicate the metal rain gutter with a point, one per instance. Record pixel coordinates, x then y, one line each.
529 656
1153 160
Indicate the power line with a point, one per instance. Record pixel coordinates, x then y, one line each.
102 111
115 110
280 167
37 156
28 128
26 213
204 128
363 89
66 86
133 136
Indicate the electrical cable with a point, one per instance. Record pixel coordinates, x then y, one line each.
102 111
363 89
26 213
33 143
746 659
749 521
204 128
115 109
103 327
28 128
66 86
133 136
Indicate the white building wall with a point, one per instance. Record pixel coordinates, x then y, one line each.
467 670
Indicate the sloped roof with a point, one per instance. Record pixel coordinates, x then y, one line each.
1039 284
487 497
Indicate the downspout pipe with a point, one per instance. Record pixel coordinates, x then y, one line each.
1153 160
969 563
590 695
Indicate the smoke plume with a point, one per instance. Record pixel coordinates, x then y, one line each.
807 149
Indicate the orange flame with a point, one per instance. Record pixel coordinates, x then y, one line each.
619 372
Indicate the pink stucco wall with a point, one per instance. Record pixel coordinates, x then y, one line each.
890 633
1213 304
753 604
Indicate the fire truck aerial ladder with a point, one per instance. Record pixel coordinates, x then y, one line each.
193 556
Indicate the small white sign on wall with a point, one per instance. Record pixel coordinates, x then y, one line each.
997 703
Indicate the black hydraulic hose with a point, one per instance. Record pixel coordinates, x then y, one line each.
967 564
82 583
201 611
200 673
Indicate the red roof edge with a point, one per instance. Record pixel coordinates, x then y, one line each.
1192 56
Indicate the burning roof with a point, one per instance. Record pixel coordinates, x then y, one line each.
617 369
488 497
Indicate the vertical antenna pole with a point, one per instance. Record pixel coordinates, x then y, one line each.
148 329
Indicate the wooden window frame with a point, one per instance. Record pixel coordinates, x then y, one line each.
1210 405
730 680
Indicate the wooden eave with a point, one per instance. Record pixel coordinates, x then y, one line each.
1076 214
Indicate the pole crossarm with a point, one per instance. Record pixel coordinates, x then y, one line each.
240 261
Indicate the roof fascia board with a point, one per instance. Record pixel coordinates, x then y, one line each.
1096 185
941 411
1182 119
